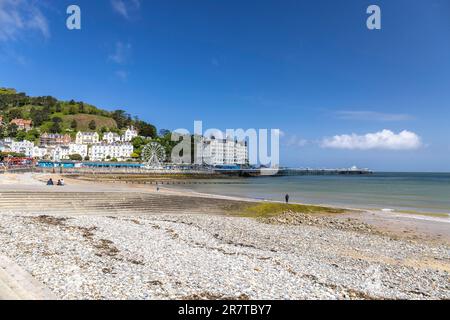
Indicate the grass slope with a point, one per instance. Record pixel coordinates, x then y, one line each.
83 121
265 210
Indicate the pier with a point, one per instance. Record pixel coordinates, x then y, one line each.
293 172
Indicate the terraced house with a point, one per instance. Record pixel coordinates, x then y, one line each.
50 139
111 137
87 138
129 134
104 151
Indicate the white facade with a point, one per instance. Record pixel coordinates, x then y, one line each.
3 147
101 151
39 152
25 147
111 137
241 153
60 153
129 134
224 152
212 152
80 149
87 138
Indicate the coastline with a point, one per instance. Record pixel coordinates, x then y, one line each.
413 224
114 254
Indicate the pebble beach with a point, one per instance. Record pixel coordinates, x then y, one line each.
201 256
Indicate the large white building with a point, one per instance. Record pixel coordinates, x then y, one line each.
129 134
111 137
87 138
80 149
103 151
241 153
224 152
25 147
40 152
60 153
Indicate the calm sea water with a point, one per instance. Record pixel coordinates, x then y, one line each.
425 192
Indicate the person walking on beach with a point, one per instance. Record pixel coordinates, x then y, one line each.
287 198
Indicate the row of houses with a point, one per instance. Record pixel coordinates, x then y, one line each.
88 138
92 138
88 145
97 152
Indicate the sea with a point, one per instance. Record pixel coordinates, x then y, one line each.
408 192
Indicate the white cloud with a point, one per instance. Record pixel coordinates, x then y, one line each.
386 139
372 116
20 16
295 141
125 7
121 54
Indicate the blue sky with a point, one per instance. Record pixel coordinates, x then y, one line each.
309 68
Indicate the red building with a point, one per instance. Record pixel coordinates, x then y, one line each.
49 139
22 124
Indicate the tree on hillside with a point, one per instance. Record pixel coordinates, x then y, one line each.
55 128
15 114
20 136
81 108
122 118
58 107
92 125
39 116
57 120
47 101
164 132
32 135
11 130
73 110
145 129
74 124
138 142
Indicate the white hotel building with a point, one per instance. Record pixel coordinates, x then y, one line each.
80 149
104 151
129 134
25 147
87 138
224 152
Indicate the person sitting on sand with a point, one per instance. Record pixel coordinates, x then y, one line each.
50 182
62 182
59 183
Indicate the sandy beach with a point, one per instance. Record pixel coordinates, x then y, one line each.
120 241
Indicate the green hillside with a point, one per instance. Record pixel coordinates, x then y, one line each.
54 116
